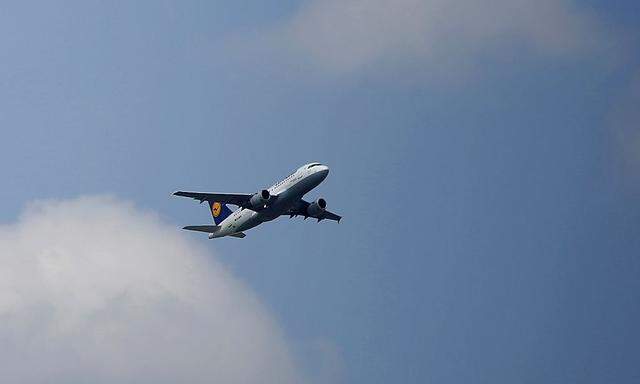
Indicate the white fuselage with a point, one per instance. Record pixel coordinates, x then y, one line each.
284 194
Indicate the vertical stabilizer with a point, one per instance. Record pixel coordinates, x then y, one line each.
219 211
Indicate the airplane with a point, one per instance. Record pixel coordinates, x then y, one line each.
282 198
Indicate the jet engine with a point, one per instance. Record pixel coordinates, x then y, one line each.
317 207
260 199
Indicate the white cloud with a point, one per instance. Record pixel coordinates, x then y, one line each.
342 36
93 290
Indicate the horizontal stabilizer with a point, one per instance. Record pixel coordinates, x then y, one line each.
203 228
239 235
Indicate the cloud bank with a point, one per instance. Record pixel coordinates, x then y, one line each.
93 290
345 36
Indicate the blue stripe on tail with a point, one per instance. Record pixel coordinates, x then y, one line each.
219 211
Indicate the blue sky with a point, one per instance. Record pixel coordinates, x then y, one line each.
485 159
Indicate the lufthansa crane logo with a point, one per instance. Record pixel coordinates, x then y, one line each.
216 208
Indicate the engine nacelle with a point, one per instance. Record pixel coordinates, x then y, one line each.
317 207
260 199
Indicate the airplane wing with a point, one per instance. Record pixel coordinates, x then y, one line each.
300 209
239 199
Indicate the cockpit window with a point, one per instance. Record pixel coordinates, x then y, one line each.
314 165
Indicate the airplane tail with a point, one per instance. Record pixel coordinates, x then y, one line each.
219 211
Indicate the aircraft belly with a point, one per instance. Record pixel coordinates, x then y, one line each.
285 200
249 221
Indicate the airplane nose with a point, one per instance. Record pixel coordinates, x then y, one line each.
324 171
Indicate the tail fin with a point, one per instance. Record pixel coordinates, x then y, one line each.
219 211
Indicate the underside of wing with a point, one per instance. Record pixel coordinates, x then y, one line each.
239 199
331 216
301 209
